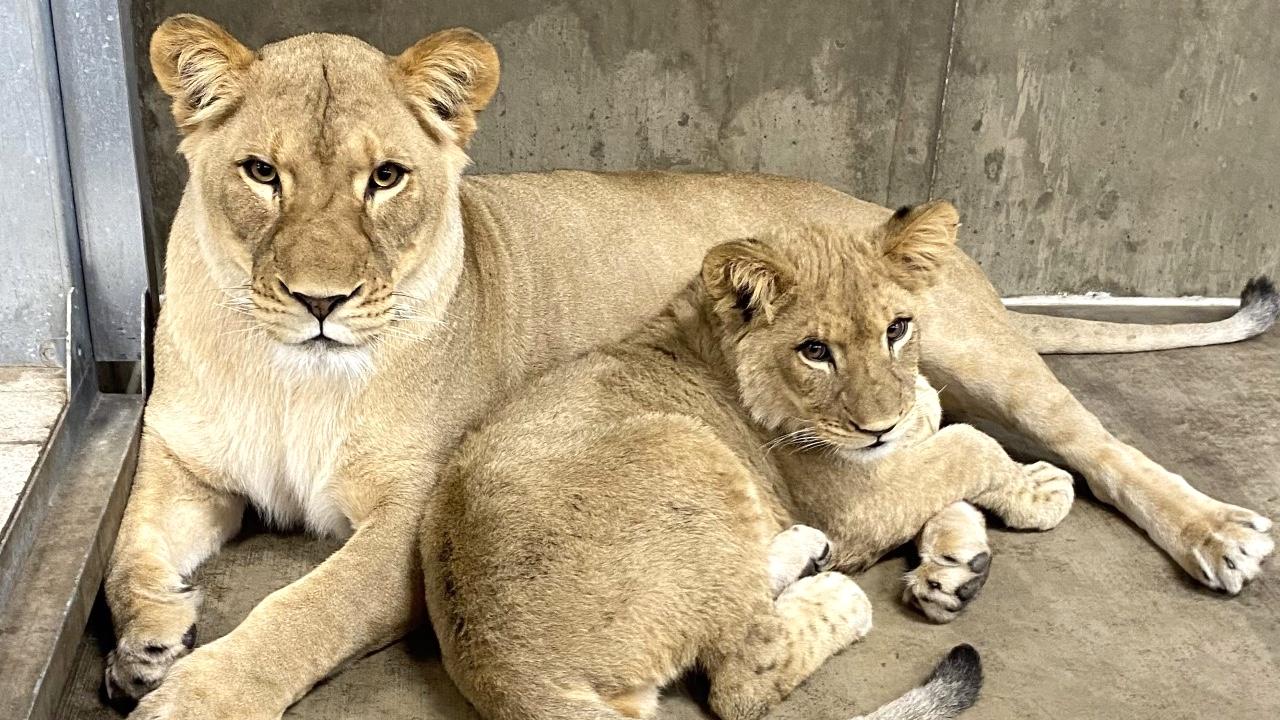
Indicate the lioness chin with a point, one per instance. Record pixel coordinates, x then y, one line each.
341 304
622 520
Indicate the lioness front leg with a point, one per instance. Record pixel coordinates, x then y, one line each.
992 372
173 522
362 597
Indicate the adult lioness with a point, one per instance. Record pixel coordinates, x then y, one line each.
622 518
341 305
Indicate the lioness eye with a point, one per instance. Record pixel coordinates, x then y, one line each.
814 351
897 329
260 171
386 176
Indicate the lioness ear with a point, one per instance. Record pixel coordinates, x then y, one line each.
915 239
200 66
450 76
746 278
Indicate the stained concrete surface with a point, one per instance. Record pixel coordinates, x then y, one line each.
1117 145
1123 146
1087 621
31 398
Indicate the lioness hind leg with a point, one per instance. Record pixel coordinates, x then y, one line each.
797 552
173 523
955 560
809 622
992 372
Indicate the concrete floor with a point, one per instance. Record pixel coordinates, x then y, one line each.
30 400
1087 621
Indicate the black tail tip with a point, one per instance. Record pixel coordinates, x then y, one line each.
961 672
1260 301
1259 289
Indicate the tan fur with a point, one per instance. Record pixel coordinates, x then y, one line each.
464 288
617 522
955 560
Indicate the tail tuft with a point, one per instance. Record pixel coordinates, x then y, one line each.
958 678
950 690
1260 304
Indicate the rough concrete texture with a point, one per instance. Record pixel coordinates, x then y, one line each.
1120 146
1091 145
1089 621
30 400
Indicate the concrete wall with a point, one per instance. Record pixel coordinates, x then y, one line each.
1120 145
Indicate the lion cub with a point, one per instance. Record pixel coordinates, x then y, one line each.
619 522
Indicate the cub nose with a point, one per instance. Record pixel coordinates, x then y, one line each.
320 307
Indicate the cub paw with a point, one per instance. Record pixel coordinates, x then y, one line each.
797 552
955 560
1040 501
135 667
1224 546
834 600
942 587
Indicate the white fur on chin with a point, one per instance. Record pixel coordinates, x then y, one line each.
869 454
345 362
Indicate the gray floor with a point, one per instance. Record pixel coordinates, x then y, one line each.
1088 621
30 400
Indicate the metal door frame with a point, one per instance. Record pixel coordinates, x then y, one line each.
76 244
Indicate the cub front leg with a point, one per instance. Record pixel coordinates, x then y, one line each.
1037 497
991 372
364 596
911 485
955 560
173 522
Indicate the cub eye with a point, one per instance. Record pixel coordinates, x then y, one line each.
814 351
260 171
386 176
897 329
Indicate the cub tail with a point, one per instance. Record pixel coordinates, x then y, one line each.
1259 307
950 690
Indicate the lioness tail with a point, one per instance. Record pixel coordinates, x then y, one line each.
1259 307
951 689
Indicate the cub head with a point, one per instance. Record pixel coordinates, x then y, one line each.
820 327
324 174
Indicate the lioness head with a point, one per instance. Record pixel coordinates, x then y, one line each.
324 174
820 326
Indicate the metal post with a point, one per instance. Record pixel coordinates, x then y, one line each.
104 149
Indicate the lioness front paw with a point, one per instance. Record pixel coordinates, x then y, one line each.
797 552
1225 545
206 686
136 666
1039 501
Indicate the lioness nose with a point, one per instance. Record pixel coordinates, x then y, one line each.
320 307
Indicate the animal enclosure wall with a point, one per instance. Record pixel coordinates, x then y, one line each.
1118 145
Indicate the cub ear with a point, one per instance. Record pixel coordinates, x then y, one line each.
450 76
916 238
746 278
200 66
